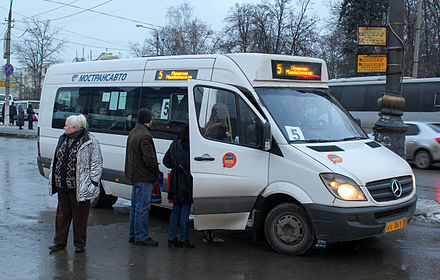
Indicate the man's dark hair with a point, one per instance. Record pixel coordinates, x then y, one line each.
143 116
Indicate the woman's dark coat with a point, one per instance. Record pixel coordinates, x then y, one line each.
20 118
181 181
30 112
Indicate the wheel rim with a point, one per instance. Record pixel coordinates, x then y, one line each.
289 229
422 161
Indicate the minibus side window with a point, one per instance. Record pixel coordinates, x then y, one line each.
69 101
219 120
169 110
251 126
113 110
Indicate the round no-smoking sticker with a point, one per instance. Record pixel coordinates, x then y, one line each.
229 160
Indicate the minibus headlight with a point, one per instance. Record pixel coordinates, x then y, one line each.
342 187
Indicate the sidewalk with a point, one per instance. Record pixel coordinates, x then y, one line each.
13 131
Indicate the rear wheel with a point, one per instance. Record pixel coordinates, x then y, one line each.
288 229
103 200
423 160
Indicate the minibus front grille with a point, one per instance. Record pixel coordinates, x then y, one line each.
381 190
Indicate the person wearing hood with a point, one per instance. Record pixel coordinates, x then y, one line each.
75 173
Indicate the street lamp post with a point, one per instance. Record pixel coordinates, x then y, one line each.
390 129
157 36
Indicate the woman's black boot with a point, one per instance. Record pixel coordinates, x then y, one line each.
173 243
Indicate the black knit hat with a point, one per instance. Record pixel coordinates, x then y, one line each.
143 116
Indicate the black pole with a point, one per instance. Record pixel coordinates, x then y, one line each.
390 129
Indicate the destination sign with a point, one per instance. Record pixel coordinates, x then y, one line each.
296 70
371 63
371 36
176 74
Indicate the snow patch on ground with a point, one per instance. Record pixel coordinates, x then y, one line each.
428 210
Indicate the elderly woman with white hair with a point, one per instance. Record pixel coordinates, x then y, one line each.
76 170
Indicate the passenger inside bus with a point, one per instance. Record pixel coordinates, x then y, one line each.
217 126
156 111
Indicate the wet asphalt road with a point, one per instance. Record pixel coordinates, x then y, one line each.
27 225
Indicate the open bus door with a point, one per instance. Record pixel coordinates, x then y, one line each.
228 165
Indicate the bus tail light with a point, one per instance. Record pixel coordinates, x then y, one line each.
438 140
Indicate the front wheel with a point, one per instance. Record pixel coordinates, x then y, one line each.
423 160
103 200
288 229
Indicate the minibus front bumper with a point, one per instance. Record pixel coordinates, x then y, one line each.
343 224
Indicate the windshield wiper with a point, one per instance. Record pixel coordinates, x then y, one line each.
313 141
351 138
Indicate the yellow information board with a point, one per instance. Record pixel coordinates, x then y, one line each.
371 36
11 84
371 63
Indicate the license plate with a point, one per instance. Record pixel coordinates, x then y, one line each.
396 225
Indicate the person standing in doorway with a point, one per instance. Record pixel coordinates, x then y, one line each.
30 115
75 173
12 113
141 167
180 190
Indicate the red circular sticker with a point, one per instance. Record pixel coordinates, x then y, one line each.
229 160
334 158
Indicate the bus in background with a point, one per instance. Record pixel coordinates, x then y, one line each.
270 149
359 97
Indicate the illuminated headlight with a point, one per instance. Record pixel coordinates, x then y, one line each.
342 187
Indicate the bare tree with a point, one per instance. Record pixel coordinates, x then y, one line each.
38 49
277 26
185 34
238 30
182 34
301 31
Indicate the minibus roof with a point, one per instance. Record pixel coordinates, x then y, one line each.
260 70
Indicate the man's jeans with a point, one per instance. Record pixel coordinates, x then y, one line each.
139 210
179 210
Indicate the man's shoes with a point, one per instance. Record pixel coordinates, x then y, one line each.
79 249
186 244
148 242
56 247
131 240
210 238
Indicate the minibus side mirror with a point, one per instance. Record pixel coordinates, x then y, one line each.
267 136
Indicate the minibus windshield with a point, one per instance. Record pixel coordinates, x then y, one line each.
309 115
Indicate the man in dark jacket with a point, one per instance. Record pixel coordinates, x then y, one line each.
12 113
141 167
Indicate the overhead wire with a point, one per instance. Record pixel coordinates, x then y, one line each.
106 14
54 9
83 11
80 44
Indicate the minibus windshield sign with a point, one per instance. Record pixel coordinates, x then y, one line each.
293 70
176 74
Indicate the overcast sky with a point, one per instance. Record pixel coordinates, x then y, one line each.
113 24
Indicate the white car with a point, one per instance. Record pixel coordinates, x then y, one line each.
423 143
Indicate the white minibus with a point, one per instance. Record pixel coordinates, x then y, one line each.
271 149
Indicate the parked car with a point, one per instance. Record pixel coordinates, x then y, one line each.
423 143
